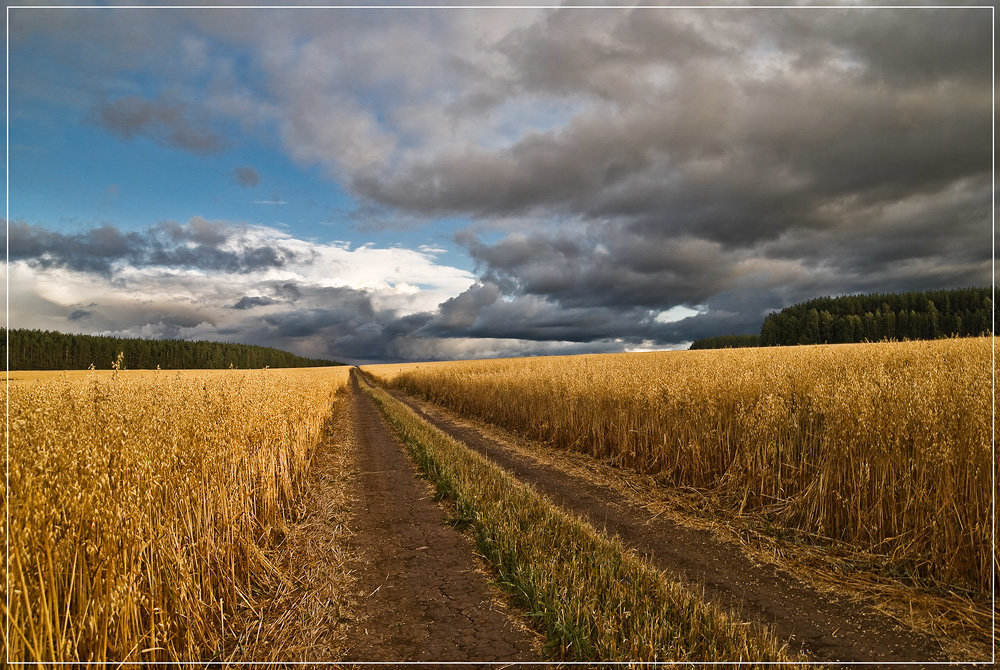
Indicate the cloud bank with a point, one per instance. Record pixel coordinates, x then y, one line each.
614 165
222 281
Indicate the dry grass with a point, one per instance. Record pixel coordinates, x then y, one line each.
885 447
309 616
144 508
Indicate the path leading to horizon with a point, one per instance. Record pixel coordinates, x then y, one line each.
424 596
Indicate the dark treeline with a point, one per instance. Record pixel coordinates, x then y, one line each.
917 315
727 342
51 350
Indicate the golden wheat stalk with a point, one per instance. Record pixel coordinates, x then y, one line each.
143 506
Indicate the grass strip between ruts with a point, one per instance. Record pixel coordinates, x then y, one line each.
589 595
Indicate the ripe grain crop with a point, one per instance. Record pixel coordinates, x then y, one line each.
883 446
144 508
591 597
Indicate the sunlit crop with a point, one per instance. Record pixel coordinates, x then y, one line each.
886 446
143 507
591 597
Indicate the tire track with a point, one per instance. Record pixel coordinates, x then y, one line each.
422 595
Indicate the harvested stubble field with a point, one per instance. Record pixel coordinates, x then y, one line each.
145 506
885 447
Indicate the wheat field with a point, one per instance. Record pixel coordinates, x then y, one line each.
144 506
885 446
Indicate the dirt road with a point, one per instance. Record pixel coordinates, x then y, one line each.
422 595
825 628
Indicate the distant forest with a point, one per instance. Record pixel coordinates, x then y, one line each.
51 350
917 315
727 342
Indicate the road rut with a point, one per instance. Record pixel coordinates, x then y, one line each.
825 628
422 595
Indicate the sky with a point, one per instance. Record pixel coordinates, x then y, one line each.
394 183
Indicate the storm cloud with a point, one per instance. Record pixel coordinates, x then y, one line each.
773 155
629 177
199 244
249 302
618 164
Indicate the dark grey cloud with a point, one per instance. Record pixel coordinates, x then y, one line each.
92 251
345 324
529 318
342 321
620 279
246 176
198 230
915 45
249 302
679 110
199 244
170 123
462 311
737 161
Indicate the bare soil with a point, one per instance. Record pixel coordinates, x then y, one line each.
421 594
820 624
